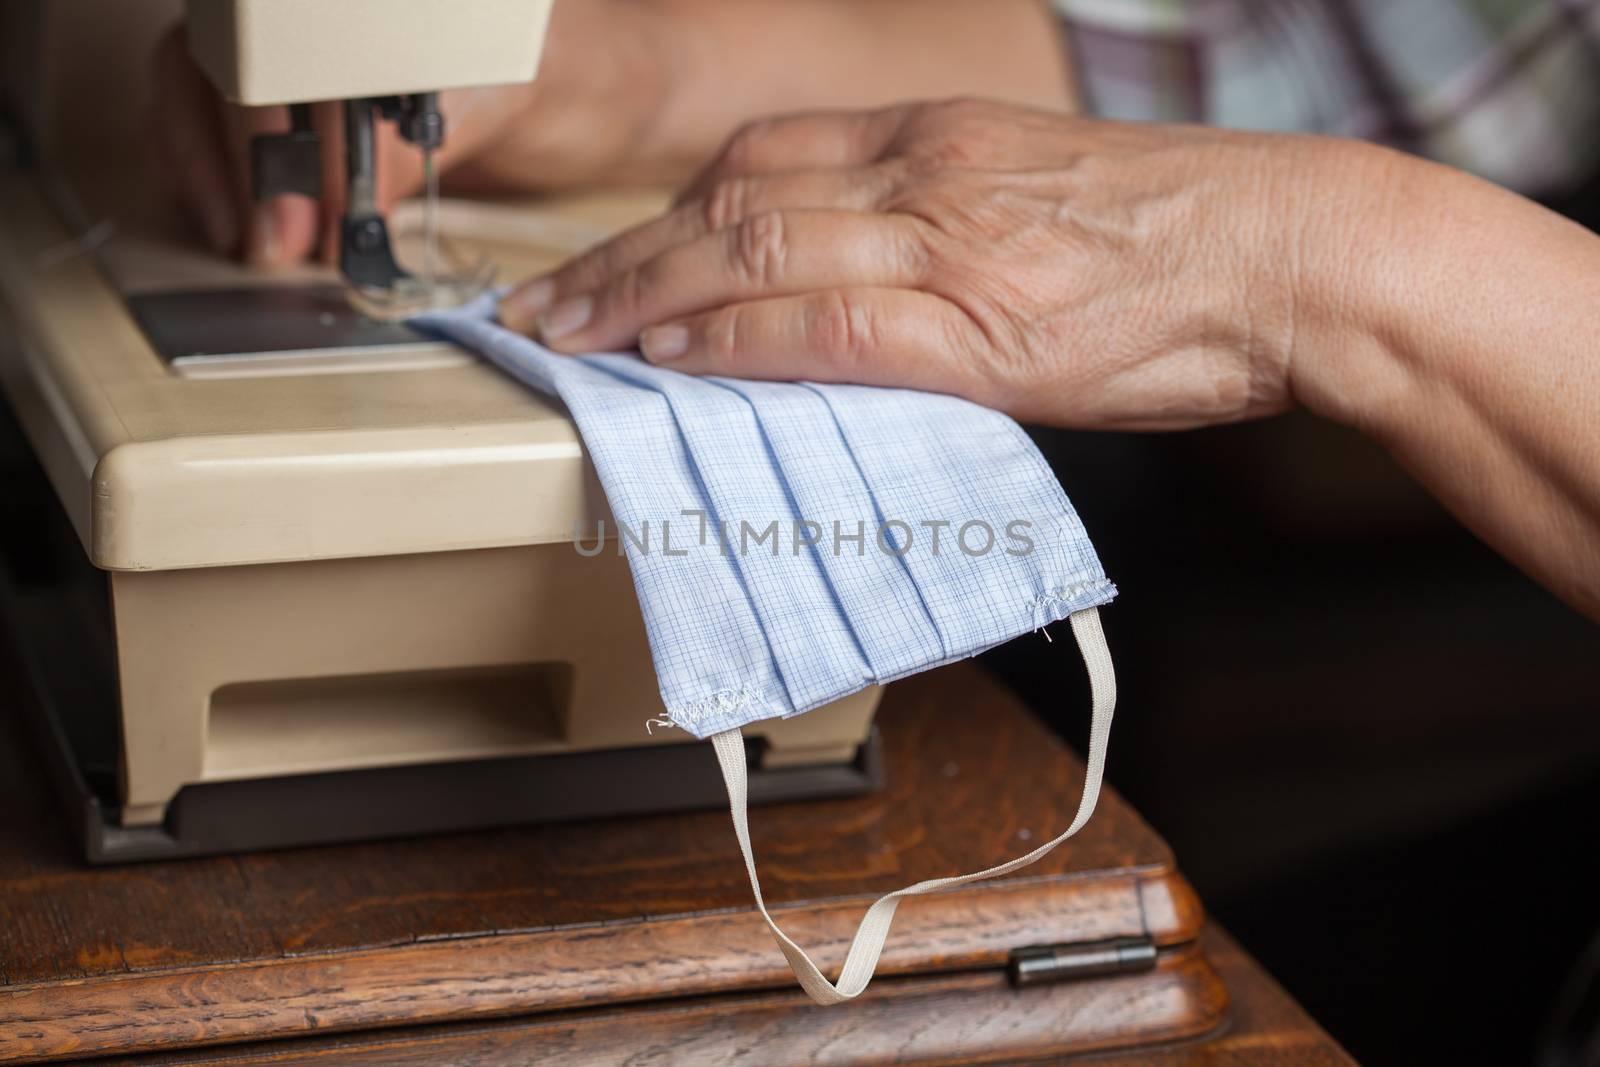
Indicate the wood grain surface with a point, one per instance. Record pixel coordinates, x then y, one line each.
560 919
1265 1029
967 1017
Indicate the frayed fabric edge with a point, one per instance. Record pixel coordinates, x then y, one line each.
1053 605
723 709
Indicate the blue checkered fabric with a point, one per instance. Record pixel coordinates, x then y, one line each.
792 543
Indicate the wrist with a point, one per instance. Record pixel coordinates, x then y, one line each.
1366 257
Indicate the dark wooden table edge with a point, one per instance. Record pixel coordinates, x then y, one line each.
1261 1026
209 991
1185 963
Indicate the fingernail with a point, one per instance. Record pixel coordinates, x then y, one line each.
662 343
523 306
264 244
569 316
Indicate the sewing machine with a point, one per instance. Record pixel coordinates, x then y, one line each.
323 583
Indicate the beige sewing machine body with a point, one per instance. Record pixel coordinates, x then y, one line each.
343 595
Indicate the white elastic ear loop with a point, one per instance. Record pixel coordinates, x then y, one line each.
867 946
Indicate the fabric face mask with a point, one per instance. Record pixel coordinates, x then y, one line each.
792 543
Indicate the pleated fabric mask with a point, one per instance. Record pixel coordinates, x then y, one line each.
792 543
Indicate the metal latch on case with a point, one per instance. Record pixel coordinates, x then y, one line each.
1083 959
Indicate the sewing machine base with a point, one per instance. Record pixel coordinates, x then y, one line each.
73 705
58 622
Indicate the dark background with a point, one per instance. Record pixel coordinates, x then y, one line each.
1373 745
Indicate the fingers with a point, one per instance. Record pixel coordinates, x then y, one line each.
284 230
768 255
871 336
187 133
820 141
728 204
281 230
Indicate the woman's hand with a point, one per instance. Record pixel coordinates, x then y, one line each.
1065 270
1095 274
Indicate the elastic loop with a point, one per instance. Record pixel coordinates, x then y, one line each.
862 959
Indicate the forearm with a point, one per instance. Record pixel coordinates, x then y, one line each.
1472 351
730 61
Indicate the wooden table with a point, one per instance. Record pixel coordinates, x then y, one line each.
592 943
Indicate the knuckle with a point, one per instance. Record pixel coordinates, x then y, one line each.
928 162
966 109
887 183
723 334
920 184
952 133
592 268
955 150
955 335
893 173
842 328
760 247
585 272
725 203
616 255
917 253
936 202
627 293
967 115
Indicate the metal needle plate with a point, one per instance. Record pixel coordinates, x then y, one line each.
282 322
